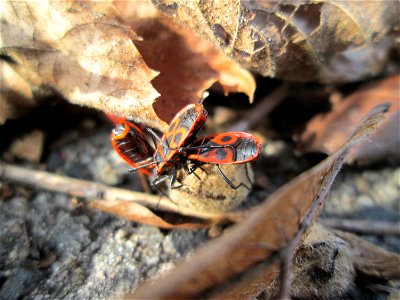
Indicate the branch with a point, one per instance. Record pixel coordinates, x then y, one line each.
263 108
92 190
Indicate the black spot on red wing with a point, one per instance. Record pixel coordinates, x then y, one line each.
221 154
177 138
226 138
173 126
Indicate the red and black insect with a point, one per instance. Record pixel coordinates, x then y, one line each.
132 145
178 147
181 132
225 148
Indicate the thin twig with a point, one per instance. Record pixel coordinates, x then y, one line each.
263 108
144 182
92 190
362 226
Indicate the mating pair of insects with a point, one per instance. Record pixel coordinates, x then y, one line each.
180 147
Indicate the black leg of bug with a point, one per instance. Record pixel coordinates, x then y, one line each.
173 179
142 166
158 180
154 135
194 166
229 182
247 174
189 171
185 149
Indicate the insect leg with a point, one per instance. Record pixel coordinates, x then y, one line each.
190 170
156 181
142 166
229 182
247 174
155 135
173 178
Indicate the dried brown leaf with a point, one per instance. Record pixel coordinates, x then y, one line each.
188 65
245 254
15 93
327 132
138 213
296 40
370 260
28 147
81 50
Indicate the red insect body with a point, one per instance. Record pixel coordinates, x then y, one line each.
181 132
235 148
131 144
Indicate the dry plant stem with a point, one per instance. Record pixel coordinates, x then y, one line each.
144 182
361 226
92 190
266 105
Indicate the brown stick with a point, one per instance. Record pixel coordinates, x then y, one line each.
362 226
92 190
263 108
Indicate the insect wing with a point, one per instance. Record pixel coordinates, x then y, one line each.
226 148
131 144
181 132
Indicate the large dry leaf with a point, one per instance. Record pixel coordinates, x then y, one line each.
81 50
327 132
188 64
241 262
296 40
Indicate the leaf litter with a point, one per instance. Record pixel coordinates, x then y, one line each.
99 57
